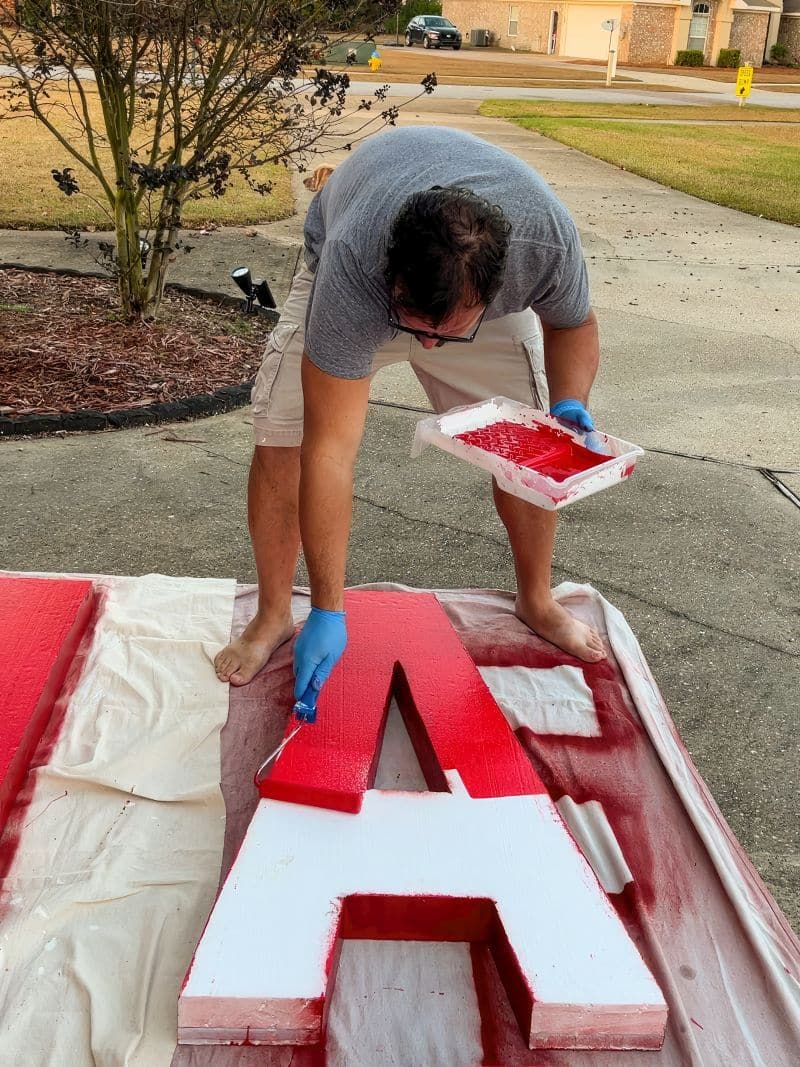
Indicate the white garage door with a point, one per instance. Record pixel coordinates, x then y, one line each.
584 38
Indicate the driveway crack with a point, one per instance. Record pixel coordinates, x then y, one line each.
575 575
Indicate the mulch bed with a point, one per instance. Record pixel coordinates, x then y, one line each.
64 348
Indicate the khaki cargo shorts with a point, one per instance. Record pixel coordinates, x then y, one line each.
505 359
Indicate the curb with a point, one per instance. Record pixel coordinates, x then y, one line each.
200 405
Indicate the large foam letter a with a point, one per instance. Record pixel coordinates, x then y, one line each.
482 856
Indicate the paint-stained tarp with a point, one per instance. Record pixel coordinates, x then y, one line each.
121 847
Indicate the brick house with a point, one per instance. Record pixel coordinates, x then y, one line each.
789 33
647 32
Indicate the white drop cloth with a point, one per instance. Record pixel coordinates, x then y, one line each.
547 700
121 842
121 848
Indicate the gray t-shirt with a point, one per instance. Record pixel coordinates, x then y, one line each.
348 224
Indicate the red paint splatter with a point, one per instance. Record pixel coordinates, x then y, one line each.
54 726
551 452
619 768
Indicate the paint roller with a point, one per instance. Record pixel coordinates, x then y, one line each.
304 711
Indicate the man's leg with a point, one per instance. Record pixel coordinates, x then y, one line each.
506 359
272 490
531 534
275 534
273 487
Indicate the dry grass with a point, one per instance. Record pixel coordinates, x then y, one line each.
750 167
528 83
412 64
29 198
766 76
774 88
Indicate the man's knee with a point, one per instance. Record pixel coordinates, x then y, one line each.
270 457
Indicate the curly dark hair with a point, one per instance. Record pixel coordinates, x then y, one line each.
447 248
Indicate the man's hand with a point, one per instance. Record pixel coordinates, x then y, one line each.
574 412
318 649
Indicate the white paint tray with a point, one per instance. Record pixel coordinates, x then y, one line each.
526 482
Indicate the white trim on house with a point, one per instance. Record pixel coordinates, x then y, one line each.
755 6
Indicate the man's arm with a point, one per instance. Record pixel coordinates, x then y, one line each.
571 359
335 411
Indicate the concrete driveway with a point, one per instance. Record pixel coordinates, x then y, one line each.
698 311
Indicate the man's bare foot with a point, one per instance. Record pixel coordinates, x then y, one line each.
556 625
241 660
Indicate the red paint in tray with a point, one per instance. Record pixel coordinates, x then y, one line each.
545 449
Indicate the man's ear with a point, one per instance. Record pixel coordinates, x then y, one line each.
398 292
318 179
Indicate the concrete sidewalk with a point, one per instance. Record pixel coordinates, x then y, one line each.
699 320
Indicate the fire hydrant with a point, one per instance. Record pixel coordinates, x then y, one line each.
375 61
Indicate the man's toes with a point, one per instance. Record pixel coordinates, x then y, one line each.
242 675
596 647
224 665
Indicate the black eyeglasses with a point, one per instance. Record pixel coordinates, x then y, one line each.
430 336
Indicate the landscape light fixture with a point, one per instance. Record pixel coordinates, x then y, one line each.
264 294
253 290
144 251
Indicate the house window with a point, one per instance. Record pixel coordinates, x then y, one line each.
513 20
698 27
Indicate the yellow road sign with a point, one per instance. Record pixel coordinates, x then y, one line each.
744 81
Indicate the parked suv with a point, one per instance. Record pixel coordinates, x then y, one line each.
434 32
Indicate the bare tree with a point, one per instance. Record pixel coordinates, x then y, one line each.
191 93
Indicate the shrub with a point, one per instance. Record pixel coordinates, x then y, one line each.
729 57
410 9
689 57
779 53
31 13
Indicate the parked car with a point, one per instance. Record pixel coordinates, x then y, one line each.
434 32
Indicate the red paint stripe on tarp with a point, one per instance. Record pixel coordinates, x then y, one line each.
42 621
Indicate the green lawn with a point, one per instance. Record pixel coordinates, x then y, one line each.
523 109
754 168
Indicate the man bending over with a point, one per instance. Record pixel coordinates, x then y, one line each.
432 246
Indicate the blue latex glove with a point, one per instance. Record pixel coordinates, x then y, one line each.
318 649
574 412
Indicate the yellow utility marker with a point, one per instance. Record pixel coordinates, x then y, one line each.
744 83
